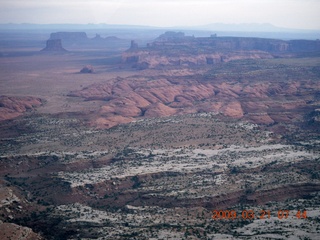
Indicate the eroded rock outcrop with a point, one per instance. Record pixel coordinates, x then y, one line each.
87 69
127 99
176 49
11 107
155 59
16 232
54 45
159 110
260 94
134 45
69 36
75 40
313 118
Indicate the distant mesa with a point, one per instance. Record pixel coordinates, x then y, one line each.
54 45
80 39
177 49
172 36
87 69
112 38
69 36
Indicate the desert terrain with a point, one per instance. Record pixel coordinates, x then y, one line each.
108 138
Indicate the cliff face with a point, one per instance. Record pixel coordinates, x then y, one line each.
304 46
144 59
237 43
245 44
177 49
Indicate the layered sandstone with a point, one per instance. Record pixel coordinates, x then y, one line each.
11 107
176 49
260 94
127 99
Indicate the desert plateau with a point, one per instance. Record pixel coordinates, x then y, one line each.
151 134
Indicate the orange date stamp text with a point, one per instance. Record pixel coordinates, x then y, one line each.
260 214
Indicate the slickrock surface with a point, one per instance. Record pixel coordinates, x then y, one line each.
11 107
142 97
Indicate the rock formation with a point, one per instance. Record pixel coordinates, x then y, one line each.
171 36
157 59
69 36
159 110
174 48
54 45
314 117
143 97
14 231
134 45
255 95
11 107
87 69
97 37
80 40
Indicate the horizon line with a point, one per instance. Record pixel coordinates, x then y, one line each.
195 27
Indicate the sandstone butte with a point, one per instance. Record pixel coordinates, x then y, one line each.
54 45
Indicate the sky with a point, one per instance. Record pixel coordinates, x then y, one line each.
296 14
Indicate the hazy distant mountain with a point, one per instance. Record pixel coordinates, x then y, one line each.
23 26
264 30
247 27
242 27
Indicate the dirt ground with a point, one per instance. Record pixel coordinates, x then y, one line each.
52 76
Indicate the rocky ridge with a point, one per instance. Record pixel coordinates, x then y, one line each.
11 107
127 99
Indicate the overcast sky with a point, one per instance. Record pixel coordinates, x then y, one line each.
299 14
